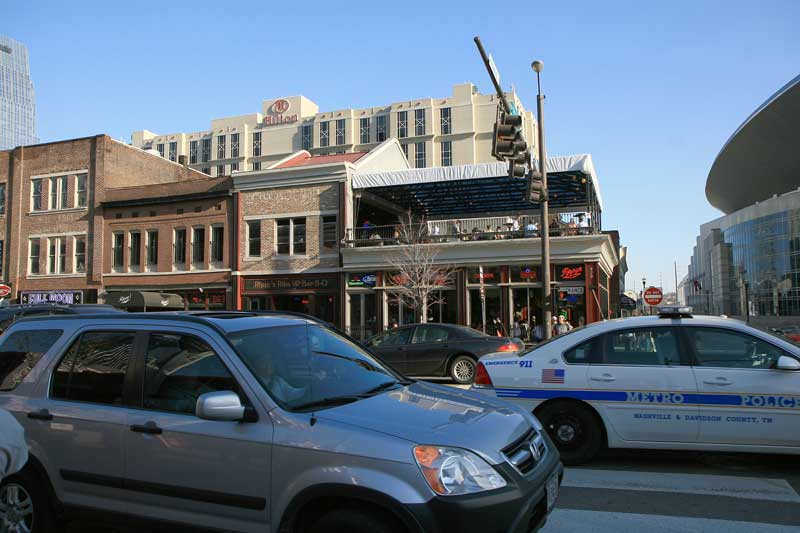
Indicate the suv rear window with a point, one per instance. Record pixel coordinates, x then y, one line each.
20 352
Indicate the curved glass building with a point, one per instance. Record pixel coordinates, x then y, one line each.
746 264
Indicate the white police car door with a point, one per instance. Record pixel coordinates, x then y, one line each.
641 384
744 399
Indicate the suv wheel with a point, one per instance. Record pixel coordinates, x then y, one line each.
462 369
24 506
574 429
353 521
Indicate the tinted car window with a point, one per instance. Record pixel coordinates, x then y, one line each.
303 364
731 349
20 352
430 334
393 338
642 346
93 370
178 370
584 353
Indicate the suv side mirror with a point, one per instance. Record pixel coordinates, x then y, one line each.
223 406
787 363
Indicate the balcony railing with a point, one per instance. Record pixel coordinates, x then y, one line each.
470 229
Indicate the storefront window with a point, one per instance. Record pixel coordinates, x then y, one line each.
363 320
526 274
444 307
572 304
207 300
491 275
527 305
490 307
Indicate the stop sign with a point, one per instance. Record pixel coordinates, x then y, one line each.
653 296
5 290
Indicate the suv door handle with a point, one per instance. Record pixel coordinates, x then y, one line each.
148 427
605 378
41 414
718 381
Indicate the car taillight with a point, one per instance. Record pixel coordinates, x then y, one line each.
508 347
482 378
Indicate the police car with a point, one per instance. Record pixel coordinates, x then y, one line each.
672 381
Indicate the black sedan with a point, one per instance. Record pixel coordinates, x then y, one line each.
438 350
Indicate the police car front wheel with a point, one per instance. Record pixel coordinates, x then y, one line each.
574 428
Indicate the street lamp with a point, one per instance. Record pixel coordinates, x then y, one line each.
644 284
547 297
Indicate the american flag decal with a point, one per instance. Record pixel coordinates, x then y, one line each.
553 375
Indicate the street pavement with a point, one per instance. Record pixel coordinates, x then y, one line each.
665 492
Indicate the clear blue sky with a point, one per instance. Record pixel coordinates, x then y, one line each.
651 89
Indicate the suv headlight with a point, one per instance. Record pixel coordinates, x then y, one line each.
453 471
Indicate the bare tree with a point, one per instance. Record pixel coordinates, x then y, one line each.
418 278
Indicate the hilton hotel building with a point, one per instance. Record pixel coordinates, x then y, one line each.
433 132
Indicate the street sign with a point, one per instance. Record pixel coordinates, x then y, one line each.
653 296
5 290
493 68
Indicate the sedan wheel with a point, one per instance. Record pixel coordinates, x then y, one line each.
463 369
16 509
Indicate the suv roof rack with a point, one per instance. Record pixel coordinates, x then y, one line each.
674 311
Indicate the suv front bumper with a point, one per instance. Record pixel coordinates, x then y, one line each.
520 507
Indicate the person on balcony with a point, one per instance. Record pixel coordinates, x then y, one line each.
515 227
531 229
499 233
487 234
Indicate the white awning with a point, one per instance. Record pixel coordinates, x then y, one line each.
566 163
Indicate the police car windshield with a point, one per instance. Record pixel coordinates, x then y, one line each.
551 339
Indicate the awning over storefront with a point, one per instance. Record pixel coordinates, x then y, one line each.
145 301
484 187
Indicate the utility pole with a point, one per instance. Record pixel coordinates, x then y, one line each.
547 297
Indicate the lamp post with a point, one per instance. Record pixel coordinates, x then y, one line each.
644 285
547 297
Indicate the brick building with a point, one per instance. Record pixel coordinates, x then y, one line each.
52 226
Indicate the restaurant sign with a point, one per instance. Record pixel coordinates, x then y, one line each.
361 280
51 297
290 284
570 272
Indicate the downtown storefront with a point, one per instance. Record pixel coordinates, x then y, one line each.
496 298
310 294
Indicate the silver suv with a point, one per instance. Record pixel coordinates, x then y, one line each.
250 422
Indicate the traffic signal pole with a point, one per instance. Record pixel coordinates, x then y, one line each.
547 296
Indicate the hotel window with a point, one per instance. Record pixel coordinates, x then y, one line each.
404 147
444 116
340 132
173 151
33 260
257 144
160 149
117 251
2 198
234 167
380 128
324 139
57 255
234 145
253 238
80 190
256 165
206 171
419 122
220 170
329 232
402 124
307 136
291 236
447 153
152 248
80 254
193 152
135 250
58 192
36 195
364 132
198 245
206 150
220 147
217 243
179 247
419 155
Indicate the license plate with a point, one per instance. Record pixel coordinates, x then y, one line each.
552 491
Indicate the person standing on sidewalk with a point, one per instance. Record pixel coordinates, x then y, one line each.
13 449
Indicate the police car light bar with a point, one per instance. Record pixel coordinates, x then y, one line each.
675 311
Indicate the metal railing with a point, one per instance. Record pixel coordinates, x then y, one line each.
470 229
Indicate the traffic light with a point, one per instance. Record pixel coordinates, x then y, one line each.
536 192
508 144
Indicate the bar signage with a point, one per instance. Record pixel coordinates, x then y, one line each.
282 284
570 272
51 297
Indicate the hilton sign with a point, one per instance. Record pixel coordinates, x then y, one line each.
277 113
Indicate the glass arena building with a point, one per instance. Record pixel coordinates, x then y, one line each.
746 264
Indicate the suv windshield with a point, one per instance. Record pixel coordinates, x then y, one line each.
308 366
